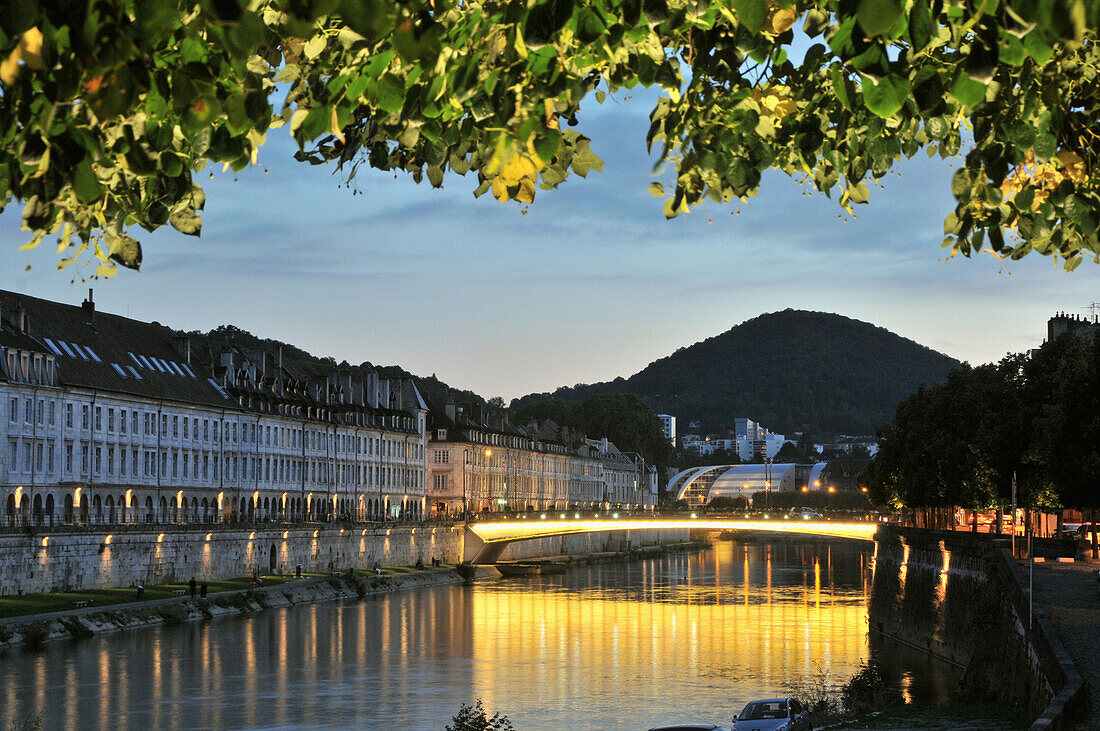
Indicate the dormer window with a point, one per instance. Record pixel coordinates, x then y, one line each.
441 435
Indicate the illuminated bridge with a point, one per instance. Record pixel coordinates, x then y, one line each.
486 541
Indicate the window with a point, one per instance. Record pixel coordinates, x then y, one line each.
122 460
164 425
135 422
49 457
439 482
163 464
175 464
110 460
69 457
51 419
28 412
205 434
122 421
14 409
175 426
442 456
99 460
68 416
98 418
186 421
83 459
110 420
84 416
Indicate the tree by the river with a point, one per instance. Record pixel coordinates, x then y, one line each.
960 443
110 107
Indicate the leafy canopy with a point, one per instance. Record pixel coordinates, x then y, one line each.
110 107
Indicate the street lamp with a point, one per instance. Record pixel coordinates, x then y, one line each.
489 473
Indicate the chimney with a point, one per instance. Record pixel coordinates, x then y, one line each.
183 345
89 305
357 388
372 389
449 410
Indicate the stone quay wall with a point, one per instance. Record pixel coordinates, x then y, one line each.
959 598
82 559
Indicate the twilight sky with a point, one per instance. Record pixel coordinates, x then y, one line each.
591 283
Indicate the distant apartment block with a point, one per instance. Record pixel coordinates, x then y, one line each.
668 427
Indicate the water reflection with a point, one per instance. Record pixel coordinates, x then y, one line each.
610 646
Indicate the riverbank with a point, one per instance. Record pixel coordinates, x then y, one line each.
81 623
163 606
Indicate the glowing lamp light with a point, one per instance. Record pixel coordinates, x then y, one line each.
45 541
615 516
107 540
543 516
563 516
576 515
693 515
863 489
805 488
208 536
832 489
286 534
160 538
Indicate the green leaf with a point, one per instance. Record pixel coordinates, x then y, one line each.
1038 47
751 13
124 250
920 25
1011 50
186 222
547 146
314 47
656 189
886 96
859 193
968 91
390 93
85 183
878 16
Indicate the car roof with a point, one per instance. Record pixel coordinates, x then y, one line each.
770 700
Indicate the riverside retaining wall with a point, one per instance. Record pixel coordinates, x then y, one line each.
958 597
83 559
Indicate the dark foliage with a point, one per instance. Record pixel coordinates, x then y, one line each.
792 371
474 718
959 443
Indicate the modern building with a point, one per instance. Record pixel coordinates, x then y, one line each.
668 427
105 419
699 485
483 462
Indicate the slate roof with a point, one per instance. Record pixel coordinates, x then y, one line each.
98 350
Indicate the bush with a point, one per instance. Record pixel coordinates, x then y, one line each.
173 614
466 570
35 633
867 691
474 718
5 633
29 723
77 629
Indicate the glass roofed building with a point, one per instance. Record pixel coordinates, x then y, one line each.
699 485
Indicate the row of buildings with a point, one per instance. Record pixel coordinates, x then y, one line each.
106 419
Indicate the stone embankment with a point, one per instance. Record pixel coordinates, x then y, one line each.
82 623
964 600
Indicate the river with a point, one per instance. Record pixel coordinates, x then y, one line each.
611 646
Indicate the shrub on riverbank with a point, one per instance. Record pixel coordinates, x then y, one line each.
475 718
466 570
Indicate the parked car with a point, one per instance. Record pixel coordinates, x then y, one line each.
773 714
804 514
1069 530
689 727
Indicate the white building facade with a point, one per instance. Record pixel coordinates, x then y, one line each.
110 420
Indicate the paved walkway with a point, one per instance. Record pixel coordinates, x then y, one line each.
1071 597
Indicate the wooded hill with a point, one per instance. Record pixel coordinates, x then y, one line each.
791 371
